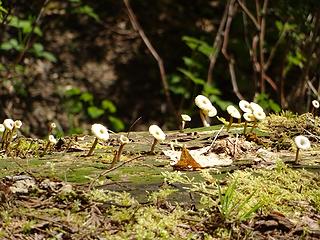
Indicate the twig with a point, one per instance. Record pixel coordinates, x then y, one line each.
250 15
215 138
138 28
261 45
217 43
110 170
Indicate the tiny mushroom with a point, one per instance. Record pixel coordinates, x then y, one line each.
51 127
157 134
248 117
101 133
256 107
123 141
245 106
51 140
301 142
17 124
9 124
258 115
234 113
206 109
184 118
6 137
316 105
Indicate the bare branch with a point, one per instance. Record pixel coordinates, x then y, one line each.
250 15
261 45
217 43
138 28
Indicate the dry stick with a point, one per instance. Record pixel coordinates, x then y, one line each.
138 28
261 45
215 138
111 169
231 11
217 43
250 15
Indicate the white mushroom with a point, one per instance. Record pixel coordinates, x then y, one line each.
315 104
17 124
301 142
9 124
206 109
234 113
245 106
184 118
101 133
123 141
248 117
157 134
256 107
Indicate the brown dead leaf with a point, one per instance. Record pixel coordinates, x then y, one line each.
186 161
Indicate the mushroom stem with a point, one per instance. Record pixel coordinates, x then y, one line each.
114 160
230 123
183 124
297 155
245 127
204 119
155 141
117 159
4 137
254 125
93 147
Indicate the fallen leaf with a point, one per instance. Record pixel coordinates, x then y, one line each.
186 161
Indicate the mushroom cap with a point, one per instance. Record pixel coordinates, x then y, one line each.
123 139
53 125
233 111
256 107
17 124
212 112
302 142
100 131
203 103
8 123
185 117
2 127
315 104
245 106
249 117
259 115
52 139
157 132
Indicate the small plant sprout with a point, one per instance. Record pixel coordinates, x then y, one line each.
315 106
206 109
123 141
234 113
51 141
248 117
245 106
301 142
184 118
157 134
101 133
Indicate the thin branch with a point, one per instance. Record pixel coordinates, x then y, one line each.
234 79
250 15
138 28
261 45
111 169
217 43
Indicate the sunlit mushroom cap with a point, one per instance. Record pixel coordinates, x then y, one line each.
53 125
249 117
233 112
17 124
302 142
185 117
259 115
157 132
315 104
256 107
212 112
52 139
245 106
2 127
123 139
203 103
100 131
8 123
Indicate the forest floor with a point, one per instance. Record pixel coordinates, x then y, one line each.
256 190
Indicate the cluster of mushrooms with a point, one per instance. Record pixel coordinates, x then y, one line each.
252 112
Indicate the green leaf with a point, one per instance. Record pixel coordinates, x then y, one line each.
109 106
192 77
72 92
95 112
86 97
116 123
87 10
49 56
74 107
197 44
